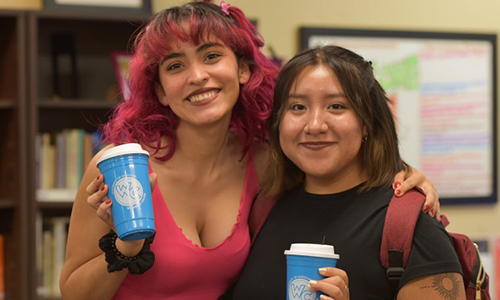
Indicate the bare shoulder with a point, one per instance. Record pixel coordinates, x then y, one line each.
448 286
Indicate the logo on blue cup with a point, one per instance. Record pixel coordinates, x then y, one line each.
128 192
298 289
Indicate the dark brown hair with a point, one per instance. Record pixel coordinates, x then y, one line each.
380 157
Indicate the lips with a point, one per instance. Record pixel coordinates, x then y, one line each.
318 145
200 95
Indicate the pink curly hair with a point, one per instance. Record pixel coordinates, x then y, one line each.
144 118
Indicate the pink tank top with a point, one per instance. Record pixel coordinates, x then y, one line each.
183 270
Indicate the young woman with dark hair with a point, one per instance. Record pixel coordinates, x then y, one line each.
334 152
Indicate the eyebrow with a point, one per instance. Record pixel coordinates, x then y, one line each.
198 50
301 96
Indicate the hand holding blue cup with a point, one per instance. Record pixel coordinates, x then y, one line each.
303 262
126 173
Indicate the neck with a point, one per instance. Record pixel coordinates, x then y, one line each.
336 183
204 146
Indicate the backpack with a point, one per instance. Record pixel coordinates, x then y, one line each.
397 237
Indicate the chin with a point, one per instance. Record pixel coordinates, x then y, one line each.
317 171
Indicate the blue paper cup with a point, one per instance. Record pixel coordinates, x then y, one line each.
303 262
126 173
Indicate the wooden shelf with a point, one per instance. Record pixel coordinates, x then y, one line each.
10 13
49 298
77 104
6 203
71 14
54 205
6 103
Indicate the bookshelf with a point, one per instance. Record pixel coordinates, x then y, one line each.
13 153
85 103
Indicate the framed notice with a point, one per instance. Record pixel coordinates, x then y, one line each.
121 61
140 7
443 92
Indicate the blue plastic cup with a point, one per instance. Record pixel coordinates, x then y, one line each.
126 173
303 262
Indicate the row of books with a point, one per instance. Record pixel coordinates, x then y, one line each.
62 157
51 251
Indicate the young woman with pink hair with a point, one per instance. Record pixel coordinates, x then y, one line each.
201 94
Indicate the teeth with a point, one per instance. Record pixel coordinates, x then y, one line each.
200 97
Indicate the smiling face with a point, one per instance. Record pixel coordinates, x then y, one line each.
201 83
321 133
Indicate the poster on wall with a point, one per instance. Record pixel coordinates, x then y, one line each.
496 279
443 92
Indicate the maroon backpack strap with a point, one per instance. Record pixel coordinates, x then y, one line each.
261 207
397 236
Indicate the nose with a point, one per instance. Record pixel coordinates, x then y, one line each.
197 75
316 123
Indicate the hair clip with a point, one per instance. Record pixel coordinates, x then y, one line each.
225 7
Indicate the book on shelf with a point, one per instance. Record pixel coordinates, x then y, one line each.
61 160
72 160
39 250
56 195
54 235
2 267
62 157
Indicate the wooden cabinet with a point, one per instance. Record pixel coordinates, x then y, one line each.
31 104
13 153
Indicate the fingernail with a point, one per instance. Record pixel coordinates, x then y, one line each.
98 177
431 213
102 188
323 297
322 270
397 192
312 283
426 208
397 184
108 201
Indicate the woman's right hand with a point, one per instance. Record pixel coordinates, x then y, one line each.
335 285
102 204
99 200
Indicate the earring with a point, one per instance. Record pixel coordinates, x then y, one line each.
365 138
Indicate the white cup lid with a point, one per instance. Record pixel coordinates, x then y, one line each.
131 148
315 250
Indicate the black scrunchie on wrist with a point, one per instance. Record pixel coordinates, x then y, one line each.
138 264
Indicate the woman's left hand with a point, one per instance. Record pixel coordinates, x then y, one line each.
404 181
335 285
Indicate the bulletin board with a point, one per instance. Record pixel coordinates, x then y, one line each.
443 88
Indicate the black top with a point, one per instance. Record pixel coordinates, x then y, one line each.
352 222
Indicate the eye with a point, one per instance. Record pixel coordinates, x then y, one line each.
336 106
174 66
297 107
212 56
